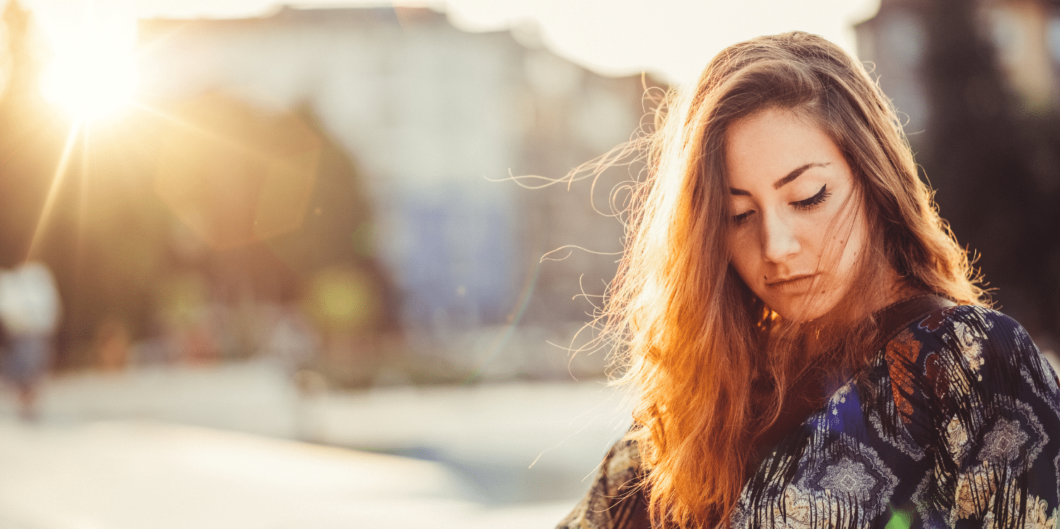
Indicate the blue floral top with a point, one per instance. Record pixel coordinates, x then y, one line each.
956 424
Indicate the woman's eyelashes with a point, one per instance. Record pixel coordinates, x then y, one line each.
807 204
742 217
815 200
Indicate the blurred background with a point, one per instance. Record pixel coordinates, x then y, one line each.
265 265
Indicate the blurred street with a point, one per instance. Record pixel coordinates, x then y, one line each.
236 446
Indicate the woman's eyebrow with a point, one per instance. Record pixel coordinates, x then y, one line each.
796 173
783 181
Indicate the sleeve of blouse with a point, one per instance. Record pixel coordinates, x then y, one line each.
997 454
615 499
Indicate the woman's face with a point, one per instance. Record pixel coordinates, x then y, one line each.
797 230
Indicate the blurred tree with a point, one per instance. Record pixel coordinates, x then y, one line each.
31 144
338 228
978 157
116 245
345 289
31 140
267 204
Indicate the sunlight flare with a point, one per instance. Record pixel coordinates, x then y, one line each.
91 74
90 85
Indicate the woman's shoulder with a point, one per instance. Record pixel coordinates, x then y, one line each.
967 350
945 321
615 500
973 332
971 384
622 464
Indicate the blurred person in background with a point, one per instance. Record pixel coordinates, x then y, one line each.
29 313
810 345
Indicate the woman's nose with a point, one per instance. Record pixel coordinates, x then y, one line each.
779 241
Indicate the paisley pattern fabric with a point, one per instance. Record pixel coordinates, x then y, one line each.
956 423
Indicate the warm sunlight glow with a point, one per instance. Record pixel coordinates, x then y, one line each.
91 83
90 69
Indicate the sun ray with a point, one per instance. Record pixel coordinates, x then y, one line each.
82 202
53 191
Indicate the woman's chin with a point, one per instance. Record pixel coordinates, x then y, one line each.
804 311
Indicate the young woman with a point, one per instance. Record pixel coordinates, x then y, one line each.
807 340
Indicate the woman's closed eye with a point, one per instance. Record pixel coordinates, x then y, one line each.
815 200
806 204
742 217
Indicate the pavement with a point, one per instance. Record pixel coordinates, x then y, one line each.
236 446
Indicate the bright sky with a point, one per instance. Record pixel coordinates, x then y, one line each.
672 38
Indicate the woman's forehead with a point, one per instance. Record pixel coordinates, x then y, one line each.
764 149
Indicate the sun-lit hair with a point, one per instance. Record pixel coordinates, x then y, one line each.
702 351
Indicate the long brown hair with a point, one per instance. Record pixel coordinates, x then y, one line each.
692 338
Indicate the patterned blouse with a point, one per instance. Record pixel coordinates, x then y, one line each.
956 425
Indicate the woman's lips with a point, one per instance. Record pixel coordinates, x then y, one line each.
792 285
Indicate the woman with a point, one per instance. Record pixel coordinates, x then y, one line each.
807 339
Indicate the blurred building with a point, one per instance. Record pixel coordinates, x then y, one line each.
433 118
1024 33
